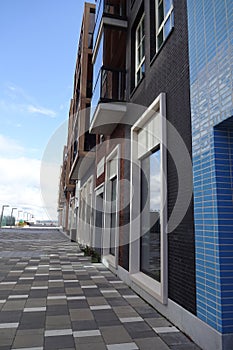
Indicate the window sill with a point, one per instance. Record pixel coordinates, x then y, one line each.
137 86
148 284
161 47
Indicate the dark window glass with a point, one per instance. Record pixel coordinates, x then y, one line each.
150 215
113 216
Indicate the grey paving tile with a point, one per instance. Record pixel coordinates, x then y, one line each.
56 310
146 311
157 322
57 302
139 330
5 341
77 304
7 333
117 301
29 332
115 335
57 322
90 346
33 340
84 325
35 302
10 316
151 343
59 342
174 338
125 311
88 340
94 301
81 314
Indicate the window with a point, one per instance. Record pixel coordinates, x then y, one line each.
164 20
111 209
148 224
113 216
140 50
150 215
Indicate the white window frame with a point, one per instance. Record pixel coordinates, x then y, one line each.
86 230
109 259
160 28
158 290
138 65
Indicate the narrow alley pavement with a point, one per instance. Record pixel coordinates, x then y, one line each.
52 297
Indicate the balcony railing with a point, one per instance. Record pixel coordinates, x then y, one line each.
109 87
114 8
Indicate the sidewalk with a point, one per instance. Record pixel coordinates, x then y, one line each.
52 297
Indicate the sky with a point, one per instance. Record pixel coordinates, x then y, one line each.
38 47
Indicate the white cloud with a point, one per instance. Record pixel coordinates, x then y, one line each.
20 185
41 110
10 147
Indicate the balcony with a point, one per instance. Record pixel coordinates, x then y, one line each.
108 101
114 10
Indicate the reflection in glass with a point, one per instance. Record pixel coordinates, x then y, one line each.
113 216
99 222
150 215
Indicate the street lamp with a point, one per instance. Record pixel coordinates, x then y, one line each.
4 206
12 214
20 211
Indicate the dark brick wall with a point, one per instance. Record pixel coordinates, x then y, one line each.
168 72
118 137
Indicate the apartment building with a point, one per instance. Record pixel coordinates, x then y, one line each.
154 182
79 141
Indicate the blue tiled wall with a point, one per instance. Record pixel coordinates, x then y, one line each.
210 24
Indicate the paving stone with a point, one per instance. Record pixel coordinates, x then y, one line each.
151 344
90 346
77 304
82 315
139 330
84 325
57 322
88 340
60 342
33 340
57 310
6 341
10 316
157 322
175 338
115 334
43 269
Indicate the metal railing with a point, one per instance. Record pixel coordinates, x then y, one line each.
109 87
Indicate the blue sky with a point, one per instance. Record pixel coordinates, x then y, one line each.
37 58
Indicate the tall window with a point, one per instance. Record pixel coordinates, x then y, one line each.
140 50
164 20
150 215
113 216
